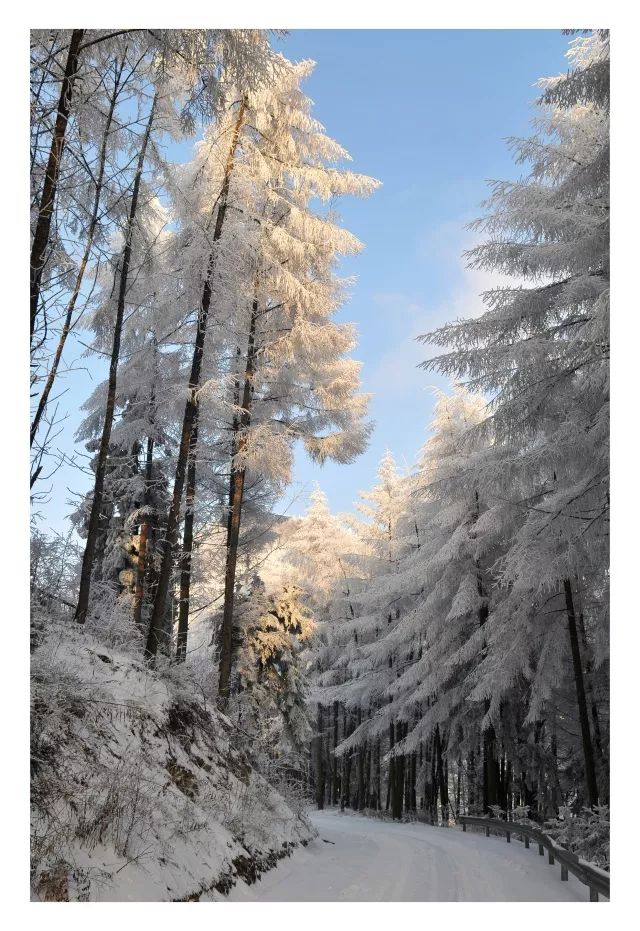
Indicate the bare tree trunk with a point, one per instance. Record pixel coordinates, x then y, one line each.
471 782
344 780
143 542
587 746
187 548
320 774
145 529
491 775
588 669
399 772
159 607
391 777
51 377
96 504
236 497
335 794
361 754
49 188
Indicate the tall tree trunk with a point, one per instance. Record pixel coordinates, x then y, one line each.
360 785
367 777
471 783
103 452
45 210
491 772
145 528
433 788
236 498
399 770
187 548
320 774
442 781
391 773
162 591
143 542
587 746
335 794
595 717
66 329
346 764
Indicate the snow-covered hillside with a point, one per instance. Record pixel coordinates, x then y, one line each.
138 791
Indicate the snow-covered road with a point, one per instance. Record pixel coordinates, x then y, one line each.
359 859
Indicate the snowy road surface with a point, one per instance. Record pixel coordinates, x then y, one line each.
378 861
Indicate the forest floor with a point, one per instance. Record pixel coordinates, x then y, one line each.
359 859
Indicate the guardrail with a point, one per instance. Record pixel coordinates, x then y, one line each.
597 880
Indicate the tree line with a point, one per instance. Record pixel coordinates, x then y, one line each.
462 659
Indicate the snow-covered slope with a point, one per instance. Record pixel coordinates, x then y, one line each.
138 789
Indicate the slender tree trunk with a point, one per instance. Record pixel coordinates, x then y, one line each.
145 528
49 188
593 706
398 795
360 788
391 777
440 772
96 504
187 549
66 329
471 782
143 542
236 498
320 774
491 772
344 781
160 603
587 746
433 788
335 788
367 777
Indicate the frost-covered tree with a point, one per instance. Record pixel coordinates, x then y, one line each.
269 684
541 353
272 292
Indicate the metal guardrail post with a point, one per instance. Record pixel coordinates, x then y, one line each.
597 881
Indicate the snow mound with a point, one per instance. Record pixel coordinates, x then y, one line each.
140 791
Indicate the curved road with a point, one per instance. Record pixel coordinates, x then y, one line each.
356 859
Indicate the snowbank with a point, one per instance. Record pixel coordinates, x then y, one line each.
139 789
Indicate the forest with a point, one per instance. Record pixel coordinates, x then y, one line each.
207 669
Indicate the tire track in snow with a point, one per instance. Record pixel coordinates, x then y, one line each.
379 861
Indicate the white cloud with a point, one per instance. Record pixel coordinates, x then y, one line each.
396 372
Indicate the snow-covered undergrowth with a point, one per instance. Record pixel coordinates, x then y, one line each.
585 834
139 789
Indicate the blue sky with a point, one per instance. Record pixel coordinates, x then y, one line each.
426 112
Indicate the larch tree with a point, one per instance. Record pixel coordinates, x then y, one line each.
541 353
273 292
